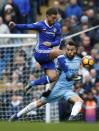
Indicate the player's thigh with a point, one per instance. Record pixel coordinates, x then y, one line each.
47 65
75 99
52 73
41 57
69 94
56 94
40 103
54 53
50 65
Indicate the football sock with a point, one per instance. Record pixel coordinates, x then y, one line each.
76 108
27 109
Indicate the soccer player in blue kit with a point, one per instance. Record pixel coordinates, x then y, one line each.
49 32
63 86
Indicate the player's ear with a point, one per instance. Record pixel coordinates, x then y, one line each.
46 16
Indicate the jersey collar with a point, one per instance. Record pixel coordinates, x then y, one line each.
45 21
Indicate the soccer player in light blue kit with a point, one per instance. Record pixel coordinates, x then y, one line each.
49 32
63 86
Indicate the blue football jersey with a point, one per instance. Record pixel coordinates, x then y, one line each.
45 33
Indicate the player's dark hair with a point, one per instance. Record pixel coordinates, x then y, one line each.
71 43
51 11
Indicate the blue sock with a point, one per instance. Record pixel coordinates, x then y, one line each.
62 63
41 81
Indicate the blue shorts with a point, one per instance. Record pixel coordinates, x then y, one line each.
43 60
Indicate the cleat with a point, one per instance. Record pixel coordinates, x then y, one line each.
27 87
72 118
13 118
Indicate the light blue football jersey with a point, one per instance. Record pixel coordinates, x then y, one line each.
63 87
73 67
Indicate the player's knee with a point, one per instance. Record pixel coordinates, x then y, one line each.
59 52
76 99
54 77
40 103
79 100
43 100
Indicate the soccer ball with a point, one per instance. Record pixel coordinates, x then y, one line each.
88 61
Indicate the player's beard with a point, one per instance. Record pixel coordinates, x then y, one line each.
70 57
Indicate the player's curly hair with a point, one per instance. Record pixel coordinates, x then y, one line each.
51 11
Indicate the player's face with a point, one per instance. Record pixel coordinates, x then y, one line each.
70 51
51 19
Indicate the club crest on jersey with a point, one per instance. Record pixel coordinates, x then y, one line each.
44 29
55 30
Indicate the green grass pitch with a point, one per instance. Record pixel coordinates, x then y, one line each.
38 126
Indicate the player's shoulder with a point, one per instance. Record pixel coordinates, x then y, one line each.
77 58
42 21
39 22
57 24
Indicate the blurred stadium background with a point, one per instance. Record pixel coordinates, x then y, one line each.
18 65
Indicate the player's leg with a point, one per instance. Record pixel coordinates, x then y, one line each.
33 105
55 95
51 75
73 97
50 70
46 62
76 107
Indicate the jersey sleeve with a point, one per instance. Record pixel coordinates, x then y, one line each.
33 26
57 40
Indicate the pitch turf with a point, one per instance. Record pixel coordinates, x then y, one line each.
34 126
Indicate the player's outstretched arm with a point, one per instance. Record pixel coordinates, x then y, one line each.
34 26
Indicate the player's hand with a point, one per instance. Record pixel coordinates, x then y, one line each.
12 24
46 43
